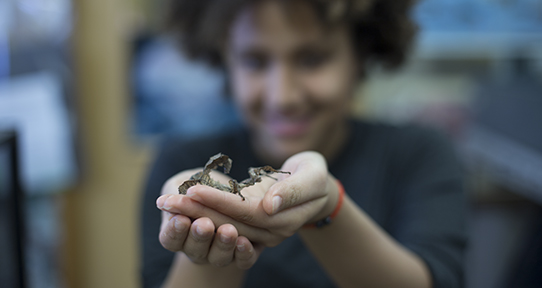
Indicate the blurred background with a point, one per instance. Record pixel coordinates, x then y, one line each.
87 87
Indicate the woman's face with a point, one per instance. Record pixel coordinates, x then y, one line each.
292 79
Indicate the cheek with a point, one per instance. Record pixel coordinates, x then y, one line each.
335 81
329 86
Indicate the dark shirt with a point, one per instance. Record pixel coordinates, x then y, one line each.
407 179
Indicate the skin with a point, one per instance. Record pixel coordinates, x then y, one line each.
292 81
293 88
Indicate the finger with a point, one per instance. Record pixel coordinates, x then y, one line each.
245 253
199 239
308 182
166 216
223 246
184 205
262 227
228 203
174 231
161 201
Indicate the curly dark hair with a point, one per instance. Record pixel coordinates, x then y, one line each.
382 30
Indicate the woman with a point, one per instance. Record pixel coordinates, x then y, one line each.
293 67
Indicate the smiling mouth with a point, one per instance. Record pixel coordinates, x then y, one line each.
288 127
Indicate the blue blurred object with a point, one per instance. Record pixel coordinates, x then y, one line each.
33 106
174 95
505 138
5 21
36 99
4 56
474 16
478 28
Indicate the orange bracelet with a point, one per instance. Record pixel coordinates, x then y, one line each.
328 219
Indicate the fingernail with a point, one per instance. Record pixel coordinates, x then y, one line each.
179 226
166 205
241 248
193 195
161 201
225 239
277 201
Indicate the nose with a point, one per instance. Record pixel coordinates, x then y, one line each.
283 90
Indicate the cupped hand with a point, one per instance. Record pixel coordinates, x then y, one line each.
272 210
201 240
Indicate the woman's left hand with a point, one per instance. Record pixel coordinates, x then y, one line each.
272 210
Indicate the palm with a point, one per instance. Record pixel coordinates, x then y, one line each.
263 217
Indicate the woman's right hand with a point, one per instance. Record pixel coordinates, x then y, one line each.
200 240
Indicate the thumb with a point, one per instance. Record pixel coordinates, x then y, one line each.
307 183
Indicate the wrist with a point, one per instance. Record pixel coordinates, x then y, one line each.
332 206
332 200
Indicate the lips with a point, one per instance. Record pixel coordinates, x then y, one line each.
281 126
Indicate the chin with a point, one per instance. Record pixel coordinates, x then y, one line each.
280 148
284 149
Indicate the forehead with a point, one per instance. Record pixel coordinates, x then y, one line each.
278 25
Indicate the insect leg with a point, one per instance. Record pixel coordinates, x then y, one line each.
236 188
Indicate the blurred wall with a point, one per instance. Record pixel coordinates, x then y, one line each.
101 214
